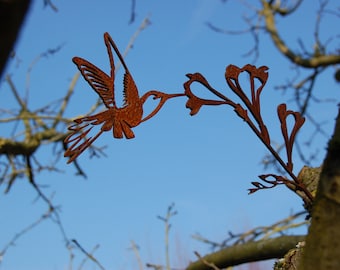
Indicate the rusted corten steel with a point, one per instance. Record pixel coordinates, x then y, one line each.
123 119
120 119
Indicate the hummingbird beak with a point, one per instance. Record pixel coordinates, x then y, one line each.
163 98
166 96
175 95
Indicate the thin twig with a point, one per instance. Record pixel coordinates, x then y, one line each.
66 100
16 237
88 255
209 264
170 213
135 250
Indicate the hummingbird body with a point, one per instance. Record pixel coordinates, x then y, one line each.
120 119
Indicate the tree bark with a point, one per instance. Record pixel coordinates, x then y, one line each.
12 15
322 250
249 252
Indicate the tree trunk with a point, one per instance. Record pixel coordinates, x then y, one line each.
322 250
12 14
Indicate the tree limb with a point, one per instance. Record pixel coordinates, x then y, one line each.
312 62
248 252
324 232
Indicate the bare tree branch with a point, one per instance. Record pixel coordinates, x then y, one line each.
248 252
312 62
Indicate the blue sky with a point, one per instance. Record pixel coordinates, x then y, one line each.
204 164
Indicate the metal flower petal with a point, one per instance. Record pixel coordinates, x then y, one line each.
232 76
195 103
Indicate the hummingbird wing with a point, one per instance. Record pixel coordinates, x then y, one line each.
80 143
102 83
81 138
130 91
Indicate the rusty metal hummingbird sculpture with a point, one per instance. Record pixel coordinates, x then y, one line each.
123 119
120 119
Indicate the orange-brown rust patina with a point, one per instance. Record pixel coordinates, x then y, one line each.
122 119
